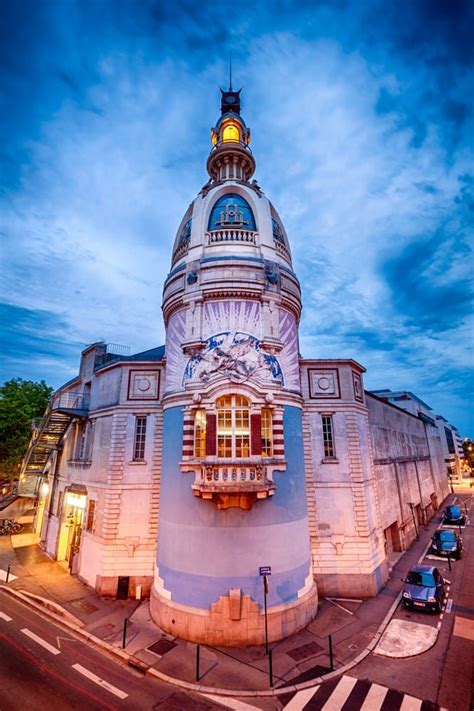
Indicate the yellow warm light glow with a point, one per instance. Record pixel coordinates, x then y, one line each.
78 500
213 138
231 133
44 488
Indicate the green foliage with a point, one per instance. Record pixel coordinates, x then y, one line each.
21 401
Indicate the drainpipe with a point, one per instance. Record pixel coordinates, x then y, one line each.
429 459
419 490
400 501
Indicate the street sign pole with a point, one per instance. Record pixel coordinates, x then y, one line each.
265 592
264 571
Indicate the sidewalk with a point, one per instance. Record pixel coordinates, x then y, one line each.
353 625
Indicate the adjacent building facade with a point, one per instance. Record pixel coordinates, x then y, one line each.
184 472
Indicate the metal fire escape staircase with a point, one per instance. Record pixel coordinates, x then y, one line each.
47 435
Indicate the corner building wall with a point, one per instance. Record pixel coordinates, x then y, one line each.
233 495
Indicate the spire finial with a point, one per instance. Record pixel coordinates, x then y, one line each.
230 71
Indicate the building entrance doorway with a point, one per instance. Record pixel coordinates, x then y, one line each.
392 539
71 528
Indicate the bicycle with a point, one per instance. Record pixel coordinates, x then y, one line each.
9 527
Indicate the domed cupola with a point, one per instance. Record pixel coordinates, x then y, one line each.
231 157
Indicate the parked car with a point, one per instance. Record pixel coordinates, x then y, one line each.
446 543
424 588
453 516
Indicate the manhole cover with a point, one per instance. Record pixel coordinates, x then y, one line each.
162 646
307 650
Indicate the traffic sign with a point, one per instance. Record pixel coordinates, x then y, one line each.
265 570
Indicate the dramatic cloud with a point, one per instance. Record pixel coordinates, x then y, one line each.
361 125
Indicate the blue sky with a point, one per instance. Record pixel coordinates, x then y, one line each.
362 125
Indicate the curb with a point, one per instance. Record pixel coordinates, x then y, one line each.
60 618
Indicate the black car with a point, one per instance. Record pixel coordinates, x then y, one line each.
446 543
453 516
424 588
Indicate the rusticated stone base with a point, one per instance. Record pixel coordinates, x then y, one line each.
361 585
108 584
222 626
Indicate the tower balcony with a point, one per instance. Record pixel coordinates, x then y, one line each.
231 235
234 484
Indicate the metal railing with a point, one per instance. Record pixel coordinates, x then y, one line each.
71 401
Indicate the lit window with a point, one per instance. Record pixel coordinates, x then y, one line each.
200 434
328 439
231 133
90 520
267 440
139 441
233 427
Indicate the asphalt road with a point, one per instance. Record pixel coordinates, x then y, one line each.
44 667
443 673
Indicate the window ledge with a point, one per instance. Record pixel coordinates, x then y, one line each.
329 460
137 462
79 462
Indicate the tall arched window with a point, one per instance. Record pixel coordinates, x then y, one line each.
233 426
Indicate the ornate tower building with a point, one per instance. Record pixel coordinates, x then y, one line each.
233 493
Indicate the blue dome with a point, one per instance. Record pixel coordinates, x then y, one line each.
231 210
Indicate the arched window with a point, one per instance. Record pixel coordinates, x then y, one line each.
229 211
231 133
233 427
233 431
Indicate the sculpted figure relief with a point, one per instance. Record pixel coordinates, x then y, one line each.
236 355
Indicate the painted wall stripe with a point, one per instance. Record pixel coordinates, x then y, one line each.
101 682
40 641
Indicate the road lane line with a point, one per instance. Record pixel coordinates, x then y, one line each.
449 605
101 682
340 693
40 641
3 576
234 704
5 617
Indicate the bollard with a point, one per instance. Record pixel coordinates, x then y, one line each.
270 666
331 656
198 654
449 561
124 632
8 574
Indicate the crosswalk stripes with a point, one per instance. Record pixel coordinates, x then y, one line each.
347 693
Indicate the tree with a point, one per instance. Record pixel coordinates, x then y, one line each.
21 401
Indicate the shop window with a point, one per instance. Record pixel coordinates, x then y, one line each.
90 520
328 436
200 434
139 439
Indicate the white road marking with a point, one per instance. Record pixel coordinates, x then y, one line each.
438 626
340 694
236 704
40 641
409 703
101 682
67 639
374 698
332 600
3 576
300 699
449 605
5 617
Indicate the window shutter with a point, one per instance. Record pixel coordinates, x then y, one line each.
210 435
256 434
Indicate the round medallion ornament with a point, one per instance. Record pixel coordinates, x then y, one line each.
324 383
143 385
